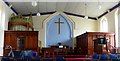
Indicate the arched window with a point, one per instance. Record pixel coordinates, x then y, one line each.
104 25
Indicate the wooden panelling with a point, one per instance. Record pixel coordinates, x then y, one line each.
30 40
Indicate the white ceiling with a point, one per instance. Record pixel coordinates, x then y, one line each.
92 9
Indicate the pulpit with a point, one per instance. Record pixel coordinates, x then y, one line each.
60 50
88 42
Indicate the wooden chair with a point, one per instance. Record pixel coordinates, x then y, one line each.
62 51
48 54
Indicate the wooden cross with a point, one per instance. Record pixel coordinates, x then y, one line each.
59 25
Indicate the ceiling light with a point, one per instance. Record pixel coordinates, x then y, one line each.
38 14
86 17
34 3
100 6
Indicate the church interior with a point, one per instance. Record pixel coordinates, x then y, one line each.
65 30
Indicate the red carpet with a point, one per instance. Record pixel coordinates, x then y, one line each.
77 59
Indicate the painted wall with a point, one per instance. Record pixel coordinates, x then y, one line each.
38 26
119 28
81 26
111 21
6 12
54 36
84 25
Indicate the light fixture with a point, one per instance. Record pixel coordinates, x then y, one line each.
38 14
99 5
34 3
86 17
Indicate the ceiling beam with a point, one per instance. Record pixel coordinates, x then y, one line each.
111 9
11 7
93 18
43 13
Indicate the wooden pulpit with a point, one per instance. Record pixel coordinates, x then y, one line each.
88 42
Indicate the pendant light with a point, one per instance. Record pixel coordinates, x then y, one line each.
86 17
34 3
38 14
99 5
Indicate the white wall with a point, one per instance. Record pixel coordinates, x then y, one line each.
8 13
81 26
111 21
84 25
38 26
119 28
4 23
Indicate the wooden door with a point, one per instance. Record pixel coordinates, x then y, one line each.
21 42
